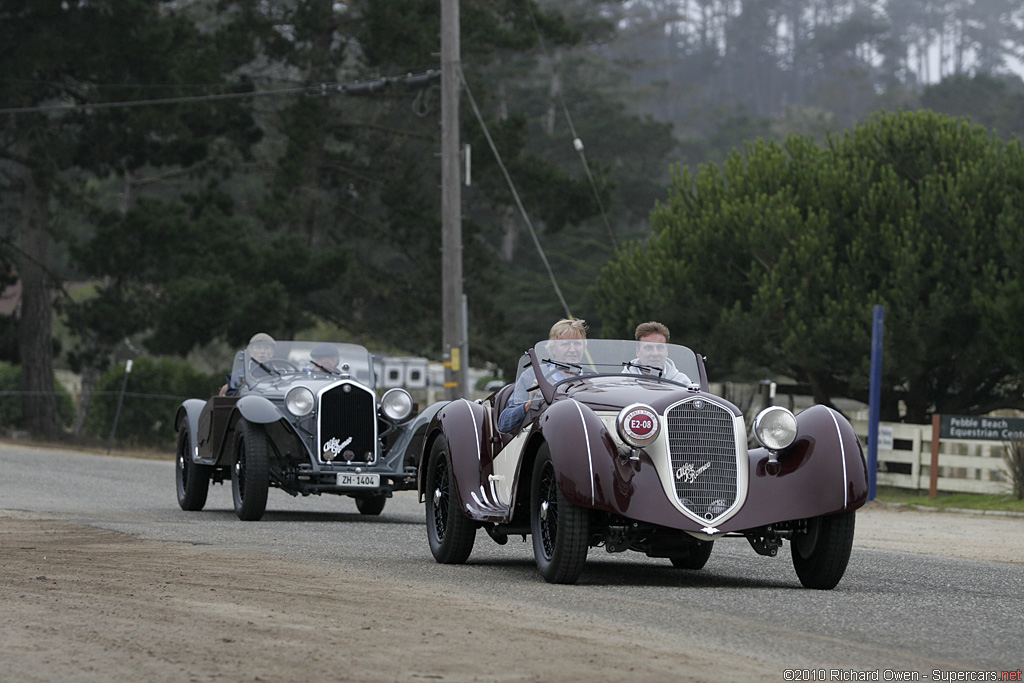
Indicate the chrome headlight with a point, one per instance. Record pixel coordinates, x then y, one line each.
396 404
638 425
775 428
299 401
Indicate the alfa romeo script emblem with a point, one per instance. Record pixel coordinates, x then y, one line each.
334 446
688 473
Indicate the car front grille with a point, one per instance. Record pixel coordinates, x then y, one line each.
702 445
347 424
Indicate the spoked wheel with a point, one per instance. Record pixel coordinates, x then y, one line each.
371 505
250 475
192 480
820 556
561 530
450 533
698 557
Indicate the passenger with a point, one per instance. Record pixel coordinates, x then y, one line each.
568 342
652 354
325 358
261 350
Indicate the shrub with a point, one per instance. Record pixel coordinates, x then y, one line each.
155 389
1014 456
11 415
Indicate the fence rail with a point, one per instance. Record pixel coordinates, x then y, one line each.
964 466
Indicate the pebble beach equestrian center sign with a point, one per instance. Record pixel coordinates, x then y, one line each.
983 428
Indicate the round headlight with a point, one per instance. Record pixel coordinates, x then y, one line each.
775 428
396 404
299 401
638 425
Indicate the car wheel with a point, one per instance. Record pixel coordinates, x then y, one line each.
450 533
192 480
371 505
561 530
250 475
698 557
820 556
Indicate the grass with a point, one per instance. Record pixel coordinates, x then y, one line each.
945 501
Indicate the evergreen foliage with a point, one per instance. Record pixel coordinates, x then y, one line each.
11 407
772 263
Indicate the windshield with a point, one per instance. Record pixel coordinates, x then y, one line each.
568 358
324 359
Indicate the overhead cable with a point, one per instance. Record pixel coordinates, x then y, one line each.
515 194
577 142
421 80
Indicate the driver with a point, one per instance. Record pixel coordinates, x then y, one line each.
652 352
261 349
325 358
568 342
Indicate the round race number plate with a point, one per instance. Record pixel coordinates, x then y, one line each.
640 424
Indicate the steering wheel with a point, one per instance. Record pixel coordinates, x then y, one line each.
282 365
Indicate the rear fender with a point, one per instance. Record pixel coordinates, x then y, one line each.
188 418
467 428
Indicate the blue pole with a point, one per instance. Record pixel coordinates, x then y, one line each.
875 397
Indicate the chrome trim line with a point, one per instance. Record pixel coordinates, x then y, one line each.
590 456
476 429
842 453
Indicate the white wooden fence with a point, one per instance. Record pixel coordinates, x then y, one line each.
963 466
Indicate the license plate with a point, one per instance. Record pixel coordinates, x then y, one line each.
358 480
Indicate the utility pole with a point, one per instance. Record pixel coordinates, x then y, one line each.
451 206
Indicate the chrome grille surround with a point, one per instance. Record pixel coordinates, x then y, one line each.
347 421
708 455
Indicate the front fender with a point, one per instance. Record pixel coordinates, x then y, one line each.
257 410
824 472
582 451
592 473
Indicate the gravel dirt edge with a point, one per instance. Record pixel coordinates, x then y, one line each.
86 604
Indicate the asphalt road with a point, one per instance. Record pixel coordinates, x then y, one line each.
893 612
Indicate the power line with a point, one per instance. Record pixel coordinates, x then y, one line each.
420 80
515 194
577 143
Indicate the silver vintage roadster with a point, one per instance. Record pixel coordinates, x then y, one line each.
300 423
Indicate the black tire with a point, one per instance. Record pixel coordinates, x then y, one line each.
250 474
371 505
820 556
698 557
191 480
561 530
450 533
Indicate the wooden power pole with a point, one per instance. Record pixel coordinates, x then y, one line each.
454 324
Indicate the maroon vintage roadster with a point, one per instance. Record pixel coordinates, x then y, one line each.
633 455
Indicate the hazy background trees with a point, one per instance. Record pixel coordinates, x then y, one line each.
181 228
